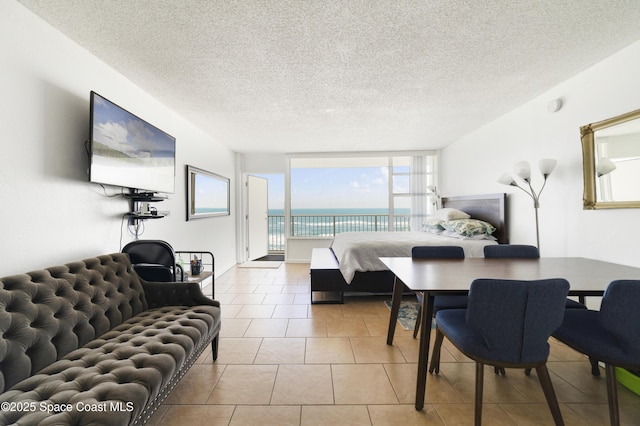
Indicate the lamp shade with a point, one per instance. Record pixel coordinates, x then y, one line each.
605 166
523 170
547 165
506 179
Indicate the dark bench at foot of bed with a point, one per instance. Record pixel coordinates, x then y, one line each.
329 285
327 282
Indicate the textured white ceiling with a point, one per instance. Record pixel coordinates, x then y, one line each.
352 75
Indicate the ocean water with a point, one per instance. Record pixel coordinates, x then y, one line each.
329 222
211 210
339 211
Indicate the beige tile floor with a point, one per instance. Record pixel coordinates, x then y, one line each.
283 361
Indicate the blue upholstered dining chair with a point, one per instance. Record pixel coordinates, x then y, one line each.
520 251
517 251
524 251
611 335
507 324
439 302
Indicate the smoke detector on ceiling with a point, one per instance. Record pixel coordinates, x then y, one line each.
554 105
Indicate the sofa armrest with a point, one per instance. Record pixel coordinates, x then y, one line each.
160 294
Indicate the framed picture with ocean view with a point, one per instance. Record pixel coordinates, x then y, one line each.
207 194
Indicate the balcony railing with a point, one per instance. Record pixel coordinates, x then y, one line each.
327 225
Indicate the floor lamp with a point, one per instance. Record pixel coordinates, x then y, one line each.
433 193
523 171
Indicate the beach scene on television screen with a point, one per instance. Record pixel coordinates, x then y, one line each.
128 151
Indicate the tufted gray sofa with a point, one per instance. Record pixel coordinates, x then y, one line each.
90 343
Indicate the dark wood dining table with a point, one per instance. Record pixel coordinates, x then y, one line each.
587 277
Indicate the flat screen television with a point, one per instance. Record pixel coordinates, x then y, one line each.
127 151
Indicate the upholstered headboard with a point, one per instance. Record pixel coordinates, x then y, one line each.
488 207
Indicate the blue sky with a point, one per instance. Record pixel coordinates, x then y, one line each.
118 129
339 187
212 193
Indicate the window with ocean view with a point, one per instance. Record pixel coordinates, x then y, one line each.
331 195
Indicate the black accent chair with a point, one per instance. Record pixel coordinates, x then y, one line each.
507 324
154 260
611 335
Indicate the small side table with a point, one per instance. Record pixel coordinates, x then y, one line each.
199 279
184 258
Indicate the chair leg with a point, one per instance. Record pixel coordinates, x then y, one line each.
214 347
416 327
479 386
435 356
549 393
595 368
612 394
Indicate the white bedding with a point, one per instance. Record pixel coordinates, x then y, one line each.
359 251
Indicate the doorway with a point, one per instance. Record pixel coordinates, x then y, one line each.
265 217
257 217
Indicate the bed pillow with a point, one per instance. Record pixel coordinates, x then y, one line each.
450 214
433 225
469 227
453 234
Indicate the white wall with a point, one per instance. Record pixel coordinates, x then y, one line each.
264 163
50 213
472 164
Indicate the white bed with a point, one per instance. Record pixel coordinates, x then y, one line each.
346 271
359 251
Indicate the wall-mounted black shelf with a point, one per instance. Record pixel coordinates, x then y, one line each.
149 197
136 198
138 216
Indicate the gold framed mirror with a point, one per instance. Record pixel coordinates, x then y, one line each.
611 162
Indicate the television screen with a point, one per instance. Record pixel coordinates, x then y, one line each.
129 152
